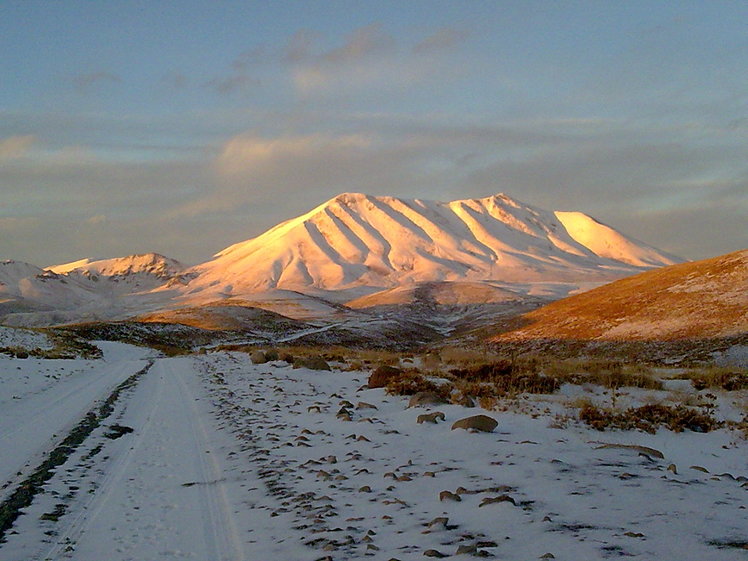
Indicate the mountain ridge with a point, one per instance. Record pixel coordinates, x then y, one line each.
348 247
355 239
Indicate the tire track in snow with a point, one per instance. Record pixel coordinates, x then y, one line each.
34 423
98 501
142 507
224 533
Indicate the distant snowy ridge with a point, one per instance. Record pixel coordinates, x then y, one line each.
362 240
351 246
152 264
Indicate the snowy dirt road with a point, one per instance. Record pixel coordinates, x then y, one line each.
36 410
230 461
173 488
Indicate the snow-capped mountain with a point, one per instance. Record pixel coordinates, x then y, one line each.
356 240
84 289
145 265
353 245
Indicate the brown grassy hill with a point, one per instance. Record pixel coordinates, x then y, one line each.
222 316
440 293
699 300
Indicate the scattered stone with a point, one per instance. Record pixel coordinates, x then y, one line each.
641 449
258 357
449 496
464 401
438 522
364 405
381 376
672 468
434 553
482 423
633 534
425 398
430 417
287 357
365 489
699 468
115 431
313 362
547 556
467 550
499 499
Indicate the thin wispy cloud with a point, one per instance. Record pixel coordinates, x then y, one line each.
15 147
233 83
444 38
89 81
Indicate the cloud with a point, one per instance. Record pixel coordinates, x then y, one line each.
97 219
245 153
175 80
368 58
86 82
13 224
444 38
300 46
232 83
15 147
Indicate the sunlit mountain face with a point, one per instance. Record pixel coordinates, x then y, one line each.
352 246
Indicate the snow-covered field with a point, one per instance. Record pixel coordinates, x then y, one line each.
233 461
41 400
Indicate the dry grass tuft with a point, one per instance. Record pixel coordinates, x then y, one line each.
729 379
503 378
607 373
412 381
649 418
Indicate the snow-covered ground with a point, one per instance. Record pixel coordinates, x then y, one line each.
41 400
13 337
233 461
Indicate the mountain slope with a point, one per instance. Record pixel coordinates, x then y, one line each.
356 240
147 265
698 300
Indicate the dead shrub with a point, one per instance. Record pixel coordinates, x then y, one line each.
724 378
649 418
504 377
488 402
411 382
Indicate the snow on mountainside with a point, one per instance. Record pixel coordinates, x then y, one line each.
84 290
354 245
27 287
358 240
604 241
151 264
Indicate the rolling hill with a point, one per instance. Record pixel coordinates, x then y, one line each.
705 301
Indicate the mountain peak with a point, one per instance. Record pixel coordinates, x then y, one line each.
356 240
153 264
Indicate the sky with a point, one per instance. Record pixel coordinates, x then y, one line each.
183 127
